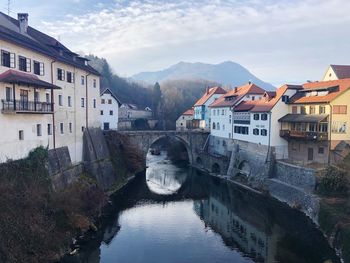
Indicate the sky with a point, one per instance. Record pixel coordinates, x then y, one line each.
286 41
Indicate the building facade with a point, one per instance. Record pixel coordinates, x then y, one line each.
109 110
49 94
316 126
202 112
185 121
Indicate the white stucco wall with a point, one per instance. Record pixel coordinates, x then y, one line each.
106 109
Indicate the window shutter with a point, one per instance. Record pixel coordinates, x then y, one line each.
28 64
12 60
63 74
73 78
42 69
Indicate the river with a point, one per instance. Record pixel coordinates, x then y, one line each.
173 214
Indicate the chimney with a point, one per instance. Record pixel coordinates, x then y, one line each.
207 91
249 82
23 22
236 89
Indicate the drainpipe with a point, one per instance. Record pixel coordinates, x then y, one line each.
330 133
53 108
87 99
269 143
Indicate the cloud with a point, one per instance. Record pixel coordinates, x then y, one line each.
270 37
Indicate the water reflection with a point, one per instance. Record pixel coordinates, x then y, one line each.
185 216
162 176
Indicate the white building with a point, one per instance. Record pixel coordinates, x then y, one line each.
109 110
48 93
222 109
185 121
128 111
336 72
201 110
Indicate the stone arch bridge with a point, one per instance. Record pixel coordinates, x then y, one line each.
194 141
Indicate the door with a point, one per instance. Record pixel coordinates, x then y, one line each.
23 99
310 154
106 126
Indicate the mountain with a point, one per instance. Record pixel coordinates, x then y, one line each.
226 73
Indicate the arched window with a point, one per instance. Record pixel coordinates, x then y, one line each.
218 126
213 125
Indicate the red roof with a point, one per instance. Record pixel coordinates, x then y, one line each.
235 95
16 77
334 87
210 92
189 112
341 71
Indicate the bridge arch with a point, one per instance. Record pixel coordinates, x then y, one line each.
176 137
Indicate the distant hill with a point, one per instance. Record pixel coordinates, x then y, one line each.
226 73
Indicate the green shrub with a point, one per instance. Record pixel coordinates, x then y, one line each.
333 182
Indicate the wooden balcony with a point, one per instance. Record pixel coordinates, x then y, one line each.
34 107
304 135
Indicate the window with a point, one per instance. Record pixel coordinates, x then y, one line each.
103 101
8 95
264 116
70 77
256 117
302 110
38 68
61 128
253 97
60 100
222 112
49 129
218 126
110 112
213 125
322 109
263 132
69 101
285 98
60 74
82 128
47 95
94 83
223 127
214 111
70 127
312 127
36 96
101 112
8 59
94 103
338 127
295 110
320 150
21 135
339 109
82 102
38 130
256 131
241 130
312 110
109 101
82 80
323 127
24 64
230 119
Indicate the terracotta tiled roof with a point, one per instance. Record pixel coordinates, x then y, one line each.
236 95
189 112
342 71
335 88
210 92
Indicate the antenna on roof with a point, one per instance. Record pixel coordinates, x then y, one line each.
8 7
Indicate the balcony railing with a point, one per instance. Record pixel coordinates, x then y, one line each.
305 135
19 106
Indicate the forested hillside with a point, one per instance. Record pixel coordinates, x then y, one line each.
175 96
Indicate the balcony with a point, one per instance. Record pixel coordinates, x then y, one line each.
304 135
18 106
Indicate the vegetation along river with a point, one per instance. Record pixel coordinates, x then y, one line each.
174 214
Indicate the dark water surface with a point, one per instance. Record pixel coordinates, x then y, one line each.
177 215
